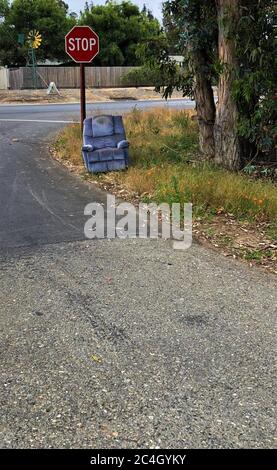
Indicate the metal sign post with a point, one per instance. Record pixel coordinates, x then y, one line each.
83 94
82 45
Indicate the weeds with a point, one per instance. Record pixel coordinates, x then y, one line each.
166 167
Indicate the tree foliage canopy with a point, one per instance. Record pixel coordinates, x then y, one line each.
195 26
50 17
123 30
255 86
191 27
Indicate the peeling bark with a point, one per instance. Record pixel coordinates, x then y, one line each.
227 144
205 106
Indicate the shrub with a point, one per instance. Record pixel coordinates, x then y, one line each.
142 76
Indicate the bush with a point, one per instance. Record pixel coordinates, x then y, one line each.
142 76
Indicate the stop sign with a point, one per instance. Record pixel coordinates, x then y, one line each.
82 44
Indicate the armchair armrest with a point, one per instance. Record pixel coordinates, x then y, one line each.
123 144
87 148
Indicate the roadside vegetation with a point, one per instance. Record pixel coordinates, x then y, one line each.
234 212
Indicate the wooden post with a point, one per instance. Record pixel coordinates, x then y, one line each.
82 95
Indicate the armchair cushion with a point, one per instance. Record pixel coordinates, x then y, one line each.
102 126
106 155
109 141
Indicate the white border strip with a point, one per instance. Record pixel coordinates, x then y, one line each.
39 120
112 102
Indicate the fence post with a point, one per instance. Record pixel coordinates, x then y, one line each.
4 78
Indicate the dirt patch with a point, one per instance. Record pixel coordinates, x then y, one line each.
73 95
239 240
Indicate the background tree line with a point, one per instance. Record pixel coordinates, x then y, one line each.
123 27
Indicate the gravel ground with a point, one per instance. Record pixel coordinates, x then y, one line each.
130 344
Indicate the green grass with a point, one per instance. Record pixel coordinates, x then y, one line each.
272 231
258 255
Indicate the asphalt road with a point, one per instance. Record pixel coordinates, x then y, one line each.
68 112
120 343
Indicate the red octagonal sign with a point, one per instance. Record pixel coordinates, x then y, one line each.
82 44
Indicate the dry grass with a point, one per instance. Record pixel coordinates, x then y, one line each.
166 168
69 144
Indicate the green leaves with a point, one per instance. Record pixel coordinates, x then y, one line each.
122 27
255 90
125 32
48 16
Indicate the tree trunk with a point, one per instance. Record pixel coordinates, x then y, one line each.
227 144
205 105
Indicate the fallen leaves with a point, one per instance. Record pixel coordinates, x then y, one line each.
96 358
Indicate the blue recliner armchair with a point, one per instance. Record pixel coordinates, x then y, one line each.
105 147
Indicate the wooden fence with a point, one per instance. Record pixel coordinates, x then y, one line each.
67 77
